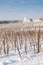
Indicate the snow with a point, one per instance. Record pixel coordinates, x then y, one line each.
15 59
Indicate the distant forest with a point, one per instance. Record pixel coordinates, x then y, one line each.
2 22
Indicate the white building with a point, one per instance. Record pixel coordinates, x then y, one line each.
27 20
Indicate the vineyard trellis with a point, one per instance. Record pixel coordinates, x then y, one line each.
20 40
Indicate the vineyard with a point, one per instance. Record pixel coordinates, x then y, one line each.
22 38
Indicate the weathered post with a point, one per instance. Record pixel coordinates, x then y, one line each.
37 41
4 46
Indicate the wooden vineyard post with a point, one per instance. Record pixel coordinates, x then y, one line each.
4 46
37 41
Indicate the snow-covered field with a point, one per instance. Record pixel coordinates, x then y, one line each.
14 59
27 52
15 35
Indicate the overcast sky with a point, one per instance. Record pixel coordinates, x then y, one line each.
18 9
